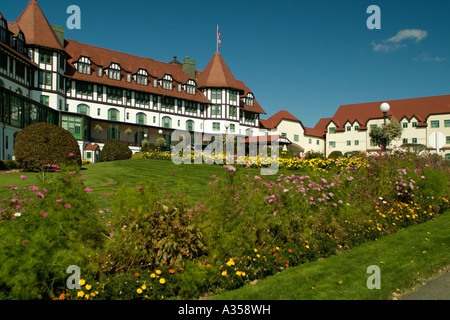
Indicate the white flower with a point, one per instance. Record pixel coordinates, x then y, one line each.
17 214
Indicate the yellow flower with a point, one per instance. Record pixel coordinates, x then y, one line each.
162 281
80 294
256 250
307 246
258 256
158 271
82 282
143 287
238 273
139 290
153 275
224 273
230 263
88 287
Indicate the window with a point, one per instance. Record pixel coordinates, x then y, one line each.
83 109
233 127
166 122
233 96
190 87
84 65
141 118
349 128
447 156
447 123
20 42
405 124
3 60
356 127
113 131
249 100
233 111
216 94
296 138
98 111
100 72
373 126
190 125
114 94
45 100
190 107
414 140
332 144
20 70
332 130
414 124
318 142
168 103
284 134
141 77
310 141
113 115
45 78
349 142
216 110
84 88
142 98
2 30
45 56
447 140
216 126
435 124
73 125
167 82
99 92
114 71
356 142
372 143
405 140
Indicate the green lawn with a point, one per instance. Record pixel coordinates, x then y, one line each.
407 257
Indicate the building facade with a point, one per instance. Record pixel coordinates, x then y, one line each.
99 94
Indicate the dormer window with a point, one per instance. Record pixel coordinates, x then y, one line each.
20 42
141 77
249 99
84 65
2 30
167 82
113 71
190 87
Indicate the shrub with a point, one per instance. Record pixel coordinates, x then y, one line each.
335 154
44 143
313 154
50 227
8 165
115 150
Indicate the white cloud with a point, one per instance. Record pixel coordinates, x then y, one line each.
398 41
426 57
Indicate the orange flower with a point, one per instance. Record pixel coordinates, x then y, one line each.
171 271
62 296
289 250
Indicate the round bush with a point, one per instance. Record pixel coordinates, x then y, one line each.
115 150
335 154
43 143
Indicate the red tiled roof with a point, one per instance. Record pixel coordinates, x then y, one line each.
273 121
36 28
420 108
128 63
218 75
319 130
268 138
91 147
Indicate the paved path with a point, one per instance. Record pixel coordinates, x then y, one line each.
437 288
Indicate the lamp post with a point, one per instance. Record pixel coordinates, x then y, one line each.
384 107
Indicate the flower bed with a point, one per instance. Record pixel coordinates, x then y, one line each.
150 246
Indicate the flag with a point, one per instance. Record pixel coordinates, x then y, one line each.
219 40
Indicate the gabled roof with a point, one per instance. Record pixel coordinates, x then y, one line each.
217 74
37 30
421 108
320 129
273 121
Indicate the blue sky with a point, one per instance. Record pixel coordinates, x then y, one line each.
306 57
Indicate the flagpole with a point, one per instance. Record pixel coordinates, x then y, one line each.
217 38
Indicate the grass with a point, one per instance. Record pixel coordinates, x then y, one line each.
406 258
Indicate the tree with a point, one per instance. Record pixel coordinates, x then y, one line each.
383 136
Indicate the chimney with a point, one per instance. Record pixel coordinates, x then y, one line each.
189 66
59 31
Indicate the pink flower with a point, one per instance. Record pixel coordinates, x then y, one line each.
230 168
257 178
44 214
40 195
23 177
67 205
106 194
71 154
88 190
33 188
59 200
